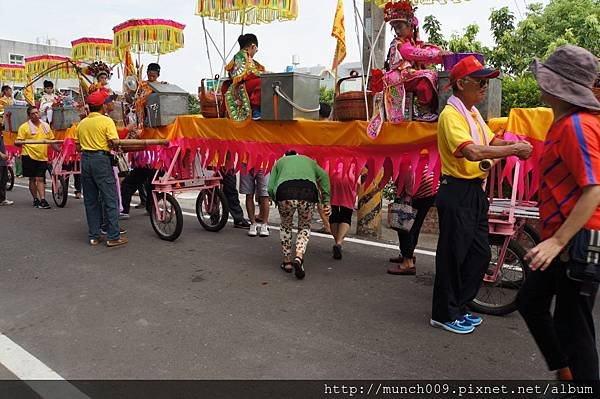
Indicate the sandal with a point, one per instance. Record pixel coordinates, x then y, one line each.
284 267
403 271
298 264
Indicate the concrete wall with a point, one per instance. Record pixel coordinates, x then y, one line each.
8 47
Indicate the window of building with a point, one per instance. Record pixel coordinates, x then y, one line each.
16 59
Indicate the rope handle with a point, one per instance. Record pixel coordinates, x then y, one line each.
277 90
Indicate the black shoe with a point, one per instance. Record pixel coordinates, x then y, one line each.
36 203
337 251
44 204
298 264
241 224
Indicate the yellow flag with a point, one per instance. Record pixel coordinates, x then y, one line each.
28 93
339 33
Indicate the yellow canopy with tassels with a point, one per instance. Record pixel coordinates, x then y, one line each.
42 63
248 12
12 73
151 36
93 49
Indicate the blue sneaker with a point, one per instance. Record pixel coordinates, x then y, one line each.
455 326
472 319
256 115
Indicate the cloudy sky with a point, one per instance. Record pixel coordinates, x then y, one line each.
308 36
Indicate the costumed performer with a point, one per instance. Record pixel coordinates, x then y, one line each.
47 101
405 71
243 95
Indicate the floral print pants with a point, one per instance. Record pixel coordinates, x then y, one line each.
287 209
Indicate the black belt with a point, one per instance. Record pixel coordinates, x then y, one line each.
453 179
97 152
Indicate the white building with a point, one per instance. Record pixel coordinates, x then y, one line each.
328 77
13 52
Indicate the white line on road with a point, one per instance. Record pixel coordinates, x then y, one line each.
347 239
35 373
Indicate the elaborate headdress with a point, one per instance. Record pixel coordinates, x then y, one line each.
98 68
399 11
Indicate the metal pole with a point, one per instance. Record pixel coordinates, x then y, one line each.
370 198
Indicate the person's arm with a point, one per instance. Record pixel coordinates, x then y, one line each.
418 54
273 177
323 180
475 152
54 146
544 253
111 132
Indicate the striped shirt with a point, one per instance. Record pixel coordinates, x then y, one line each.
427 188
570 161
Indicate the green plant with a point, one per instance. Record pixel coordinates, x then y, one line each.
193 105
389 191
326 95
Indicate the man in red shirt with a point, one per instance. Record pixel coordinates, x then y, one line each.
569 202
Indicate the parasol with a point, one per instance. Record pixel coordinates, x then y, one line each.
93 49
12 73
151 36
52 66
248 12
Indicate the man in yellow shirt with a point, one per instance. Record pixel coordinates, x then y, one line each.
95 133
35 156
463 252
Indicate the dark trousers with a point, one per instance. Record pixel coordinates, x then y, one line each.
76 178
3 181
233 197
100 194
130 184
408 240
567 337
463 251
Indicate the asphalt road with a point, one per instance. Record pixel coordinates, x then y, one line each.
216 306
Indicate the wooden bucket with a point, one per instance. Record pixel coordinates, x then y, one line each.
212 104
350 105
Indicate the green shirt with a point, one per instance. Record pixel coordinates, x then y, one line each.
299 167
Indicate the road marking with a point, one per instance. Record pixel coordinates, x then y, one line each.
36 374
347 239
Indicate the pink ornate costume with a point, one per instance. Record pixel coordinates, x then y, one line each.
405 71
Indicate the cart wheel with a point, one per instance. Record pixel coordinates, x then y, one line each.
500 297
61 192
171 218
11 179
528 237
212 218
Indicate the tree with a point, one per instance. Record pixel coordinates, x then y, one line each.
467 43
193 105
433 28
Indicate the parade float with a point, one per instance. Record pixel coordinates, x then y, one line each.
198 147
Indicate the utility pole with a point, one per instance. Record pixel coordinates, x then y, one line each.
370 198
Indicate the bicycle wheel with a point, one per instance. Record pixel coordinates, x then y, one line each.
11 179
528 237
500 296
212 209
61 192
168 221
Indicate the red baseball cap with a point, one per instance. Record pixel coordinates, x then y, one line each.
99 97
470 66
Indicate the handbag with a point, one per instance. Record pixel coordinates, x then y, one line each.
401 214
122 163
583 264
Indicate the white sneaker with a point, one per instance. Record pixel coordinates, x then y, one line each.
252 232
264 230
123 216
6 202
